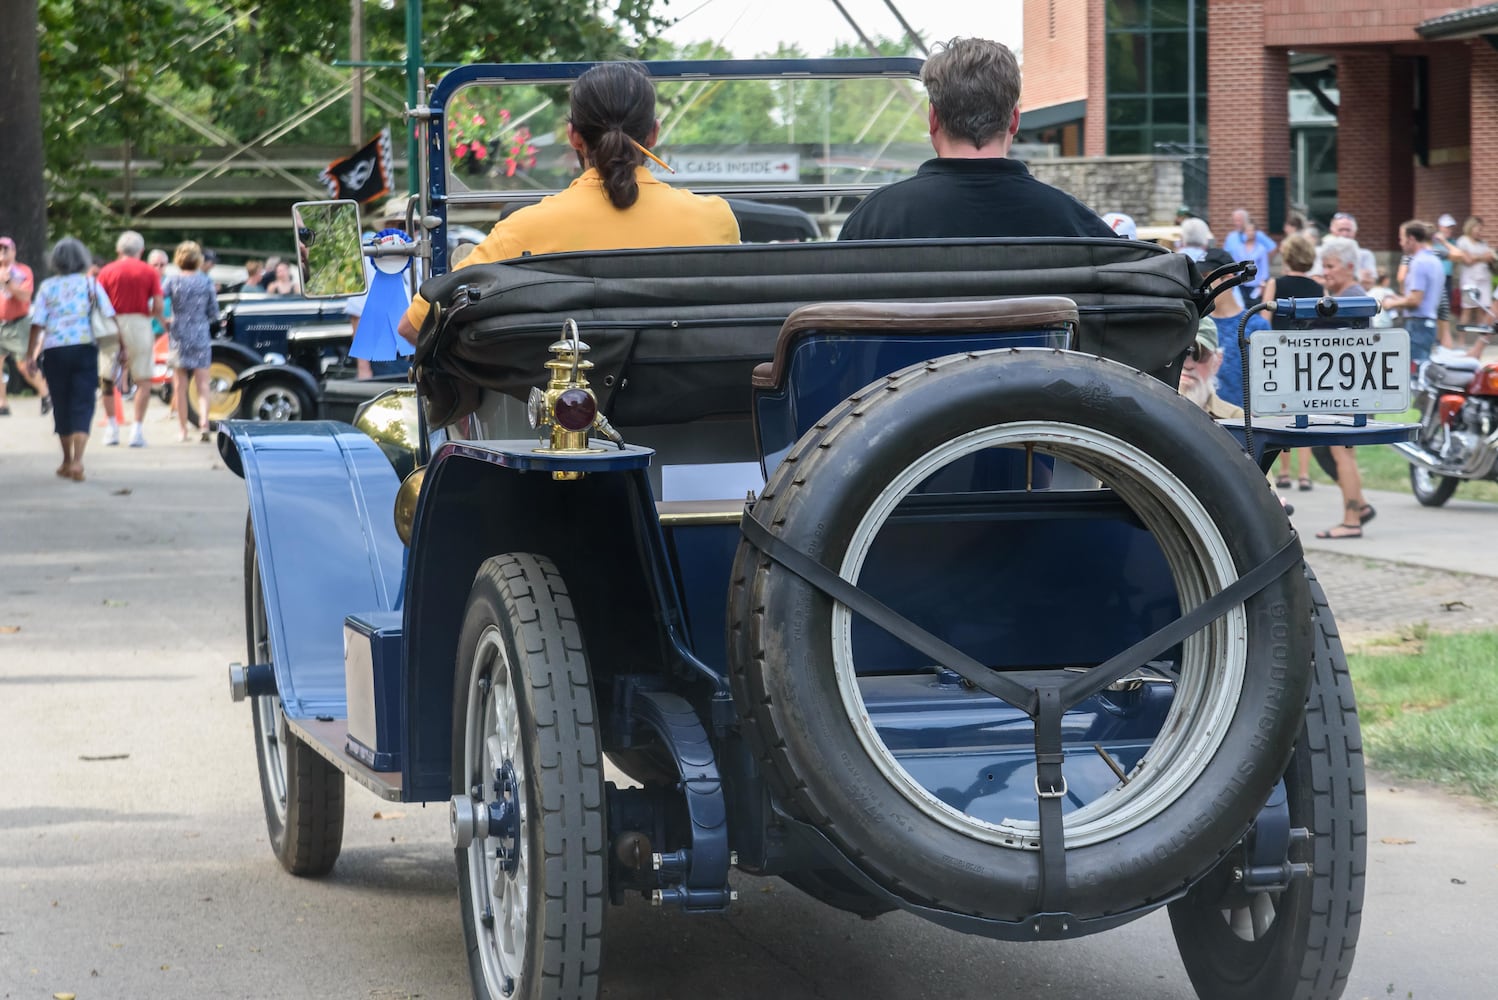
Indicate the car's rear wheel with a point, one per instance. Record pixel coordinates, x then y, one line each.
1297 944
528 783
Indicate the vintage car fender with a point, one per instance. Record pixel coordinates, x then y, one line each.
486 498
320 498
237 356
261 373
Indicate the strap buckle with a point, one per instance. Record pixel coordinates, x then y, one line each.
1053 792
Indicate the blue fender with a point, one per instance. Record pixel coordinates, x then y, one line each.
481 499
321 497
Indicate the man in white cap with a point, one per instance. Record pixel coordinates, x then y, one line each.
1442 244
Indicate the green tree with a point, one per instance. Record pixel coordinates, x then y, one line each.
146 76
23 207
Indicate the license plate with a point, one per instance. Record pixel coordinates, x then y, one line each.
1328 371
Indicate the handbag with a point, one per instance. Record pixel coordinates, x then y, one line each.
103 327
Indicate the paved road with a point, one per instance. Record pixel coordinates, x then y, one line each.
133 858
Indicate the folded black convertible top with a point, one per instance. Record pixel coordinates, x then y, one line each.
676 332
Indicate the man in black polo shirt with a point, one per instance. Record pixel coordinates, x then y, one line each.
972 188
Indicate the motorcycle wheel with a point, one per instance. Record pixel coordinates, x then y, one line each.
301 791
1430 488
526 745
1297 944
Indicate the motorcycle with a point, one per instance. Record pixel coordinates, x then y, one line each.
1457 395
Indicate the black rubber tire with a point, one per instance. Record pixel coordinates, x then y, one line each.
523 599
838 891
278 399
306 826
797 722
1443 488
1308 950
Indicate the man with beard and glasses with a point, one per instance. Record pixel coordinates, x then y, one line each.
1199 375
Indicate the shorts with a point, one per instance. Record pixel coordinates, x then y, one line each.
1422 337
15 336
140 345
1482 299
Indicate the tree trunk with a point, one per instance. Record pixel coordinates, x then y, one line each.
23 205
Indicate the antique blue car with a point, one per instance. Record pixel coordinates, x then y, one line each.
897 570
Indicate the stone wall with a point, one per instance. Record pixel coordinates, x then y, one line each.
1146 187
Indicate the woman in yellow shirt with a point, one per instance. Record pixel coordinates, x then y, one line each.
616 203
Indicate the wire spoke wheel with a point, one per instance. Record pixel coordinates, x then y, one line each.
528 767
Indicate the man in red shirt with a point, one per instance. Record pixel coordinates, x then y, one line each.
15 323
135 289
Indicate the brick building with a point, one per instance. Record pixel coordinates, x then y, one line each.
1415 96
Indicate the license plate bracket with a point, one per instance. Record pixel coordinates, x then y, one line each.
1328 372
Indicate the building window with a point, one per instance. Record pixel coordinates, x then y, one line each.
1157 91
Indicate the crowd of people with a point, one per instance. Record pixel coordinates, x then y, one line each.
972 187
85 337
1441 294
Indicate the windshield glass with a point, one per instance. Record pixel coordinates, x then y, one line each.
813 144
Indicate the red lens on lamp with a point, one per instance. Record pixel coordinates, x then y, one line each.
575 409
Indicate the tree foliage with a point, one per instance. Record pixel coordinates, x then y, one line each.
144 76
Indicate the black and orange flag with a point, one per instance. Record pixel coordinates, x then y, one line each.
364 176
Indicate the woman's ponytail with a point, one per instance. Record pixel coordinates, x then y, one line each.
613 108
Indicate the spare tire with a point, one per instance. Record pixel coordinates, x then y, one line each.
1239 695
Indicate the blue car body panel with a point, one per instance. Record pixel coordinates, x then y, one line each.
321 495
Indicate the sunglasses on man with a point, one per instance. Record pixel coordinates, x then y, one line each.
1200 352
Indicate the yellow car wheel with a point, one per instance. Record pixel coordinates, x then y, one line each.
223 401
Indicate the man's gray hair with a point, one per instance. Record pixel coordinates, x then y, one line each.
1195 232
130 243
158 256
1349 217
973 84
1342 249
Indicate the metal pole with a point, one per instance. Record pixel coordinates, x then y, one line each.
1191 75
413 88
356 56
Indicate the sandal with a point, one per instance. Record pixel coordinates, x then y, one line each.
1366 513
1305 484
1283 482
1342 531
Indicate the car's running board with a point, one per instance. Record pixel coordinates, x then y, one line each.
329 737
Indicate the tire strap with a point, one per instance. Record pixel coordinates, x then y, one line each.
1045 704
1022 697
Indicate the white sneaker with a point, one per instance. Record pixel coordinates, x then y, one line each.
137 437
112 434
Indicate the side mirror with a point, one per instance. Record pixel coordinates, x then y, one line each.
327 248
